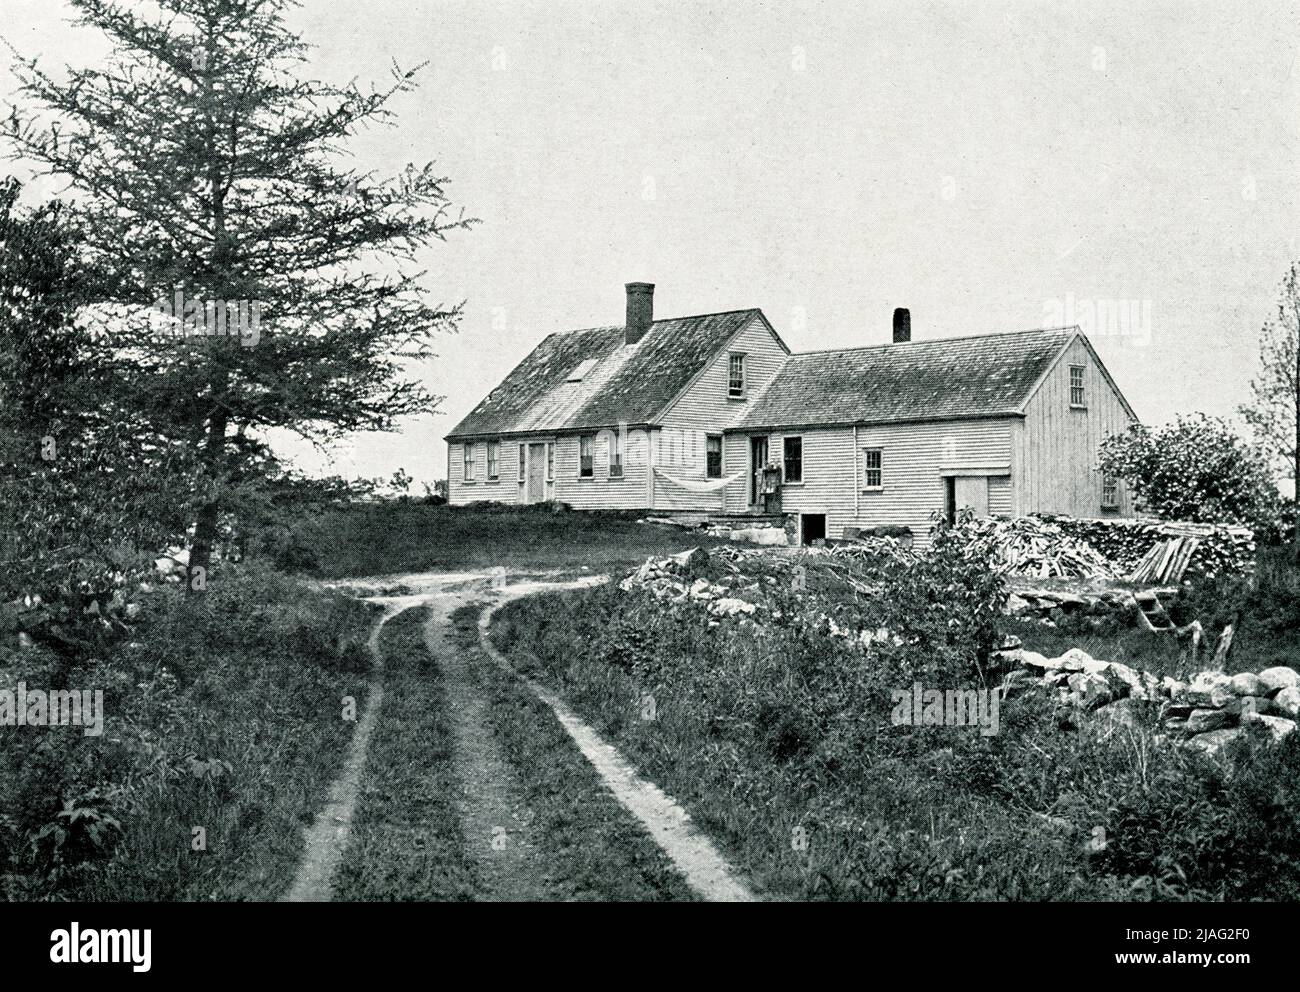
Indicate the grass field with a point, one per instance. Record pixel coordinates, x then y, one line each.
386 539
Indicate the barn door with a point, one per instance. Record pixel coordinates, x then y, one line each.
536 473
973 492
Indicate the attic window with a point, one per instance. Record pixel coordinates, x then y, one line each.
581 369
1076 387
735 375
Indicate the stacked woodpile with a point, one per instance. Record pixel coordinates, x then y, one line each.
1191 549
1032 546
1166 561
870 550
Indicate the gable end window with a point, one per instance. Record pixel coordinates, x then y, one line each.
1109 492
793 459
713 456
736 375
585 445
493 458
468 449
1077 398
873 469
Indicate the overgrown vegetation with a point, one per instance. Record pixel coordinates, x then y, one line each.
1198 469
221 716
1264 609
778 738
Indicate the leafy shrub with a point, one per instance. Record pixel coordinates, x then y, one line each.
1196 469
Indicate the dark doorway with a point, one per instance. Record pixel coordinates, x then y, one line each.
812 527
757 462
950 500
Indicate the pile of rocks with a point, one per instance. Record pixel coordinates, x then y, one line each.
1210 713
1051 604
670 579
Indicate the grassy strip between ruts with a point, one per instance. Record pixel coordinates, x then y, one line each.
598 851
407 842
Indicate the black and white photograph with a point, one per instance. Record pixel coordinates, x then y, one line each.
536 452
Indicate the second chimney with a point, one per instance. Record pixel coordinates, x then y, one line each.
902 325
640 310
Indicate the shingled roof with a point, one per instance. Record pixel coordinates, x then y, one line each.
629 384
955 378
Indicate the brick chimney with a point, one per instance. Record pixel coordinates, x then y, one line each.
902 325
640 310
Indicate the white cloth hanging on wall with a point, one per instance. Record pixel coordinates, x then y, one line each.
699 485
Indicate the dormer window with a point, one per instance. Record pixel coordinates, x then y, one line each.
581 369
736 375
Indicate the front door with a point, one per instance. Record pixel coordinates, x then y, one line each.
757 461
536 474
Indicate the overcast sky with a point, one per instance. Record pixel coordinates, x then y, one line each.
989 165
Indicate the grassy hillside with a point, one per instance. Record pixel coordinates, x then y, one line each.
777 737
382 539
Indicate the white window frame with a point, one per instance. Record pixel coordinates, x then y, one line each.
493 461
468 458
879 469
550 461
523 464
722 456
785 480
588 440
1082 402
1109 492
734 392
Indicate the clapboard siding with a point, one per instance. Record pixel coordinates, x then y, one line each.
914 458
735 461
704 405
631 492
505 490
1057 450
705 408
1000 495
